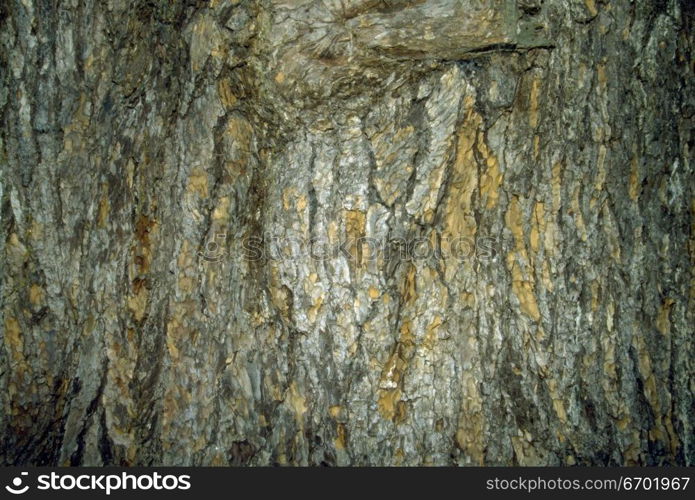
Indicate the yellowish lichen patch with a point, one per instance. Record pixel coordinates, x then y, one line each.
389 402
240 131
137 303
221 211
459 218
591 7
296 402
602 78
355 221
224 90
524 450
280 295
470 432
491 181
534 94
558 403
459 226
431 332
15 246
335 411
522 282
36 295
301 203
525 293
407 289
313 311
340 441
663 320
601 172
288 196
13 339
198 182
141 251
104 207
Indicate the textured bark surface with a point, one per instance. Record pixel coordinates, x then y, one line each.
347 232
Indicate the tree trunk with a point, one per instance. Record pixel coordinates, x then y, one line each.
255 232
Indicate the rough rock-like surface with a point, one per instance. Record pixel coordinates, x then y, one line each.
347 232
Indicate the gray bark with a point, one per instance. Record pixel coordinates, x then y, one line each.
305 232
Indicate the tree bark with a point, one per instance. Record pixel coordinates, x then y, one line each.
252 232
